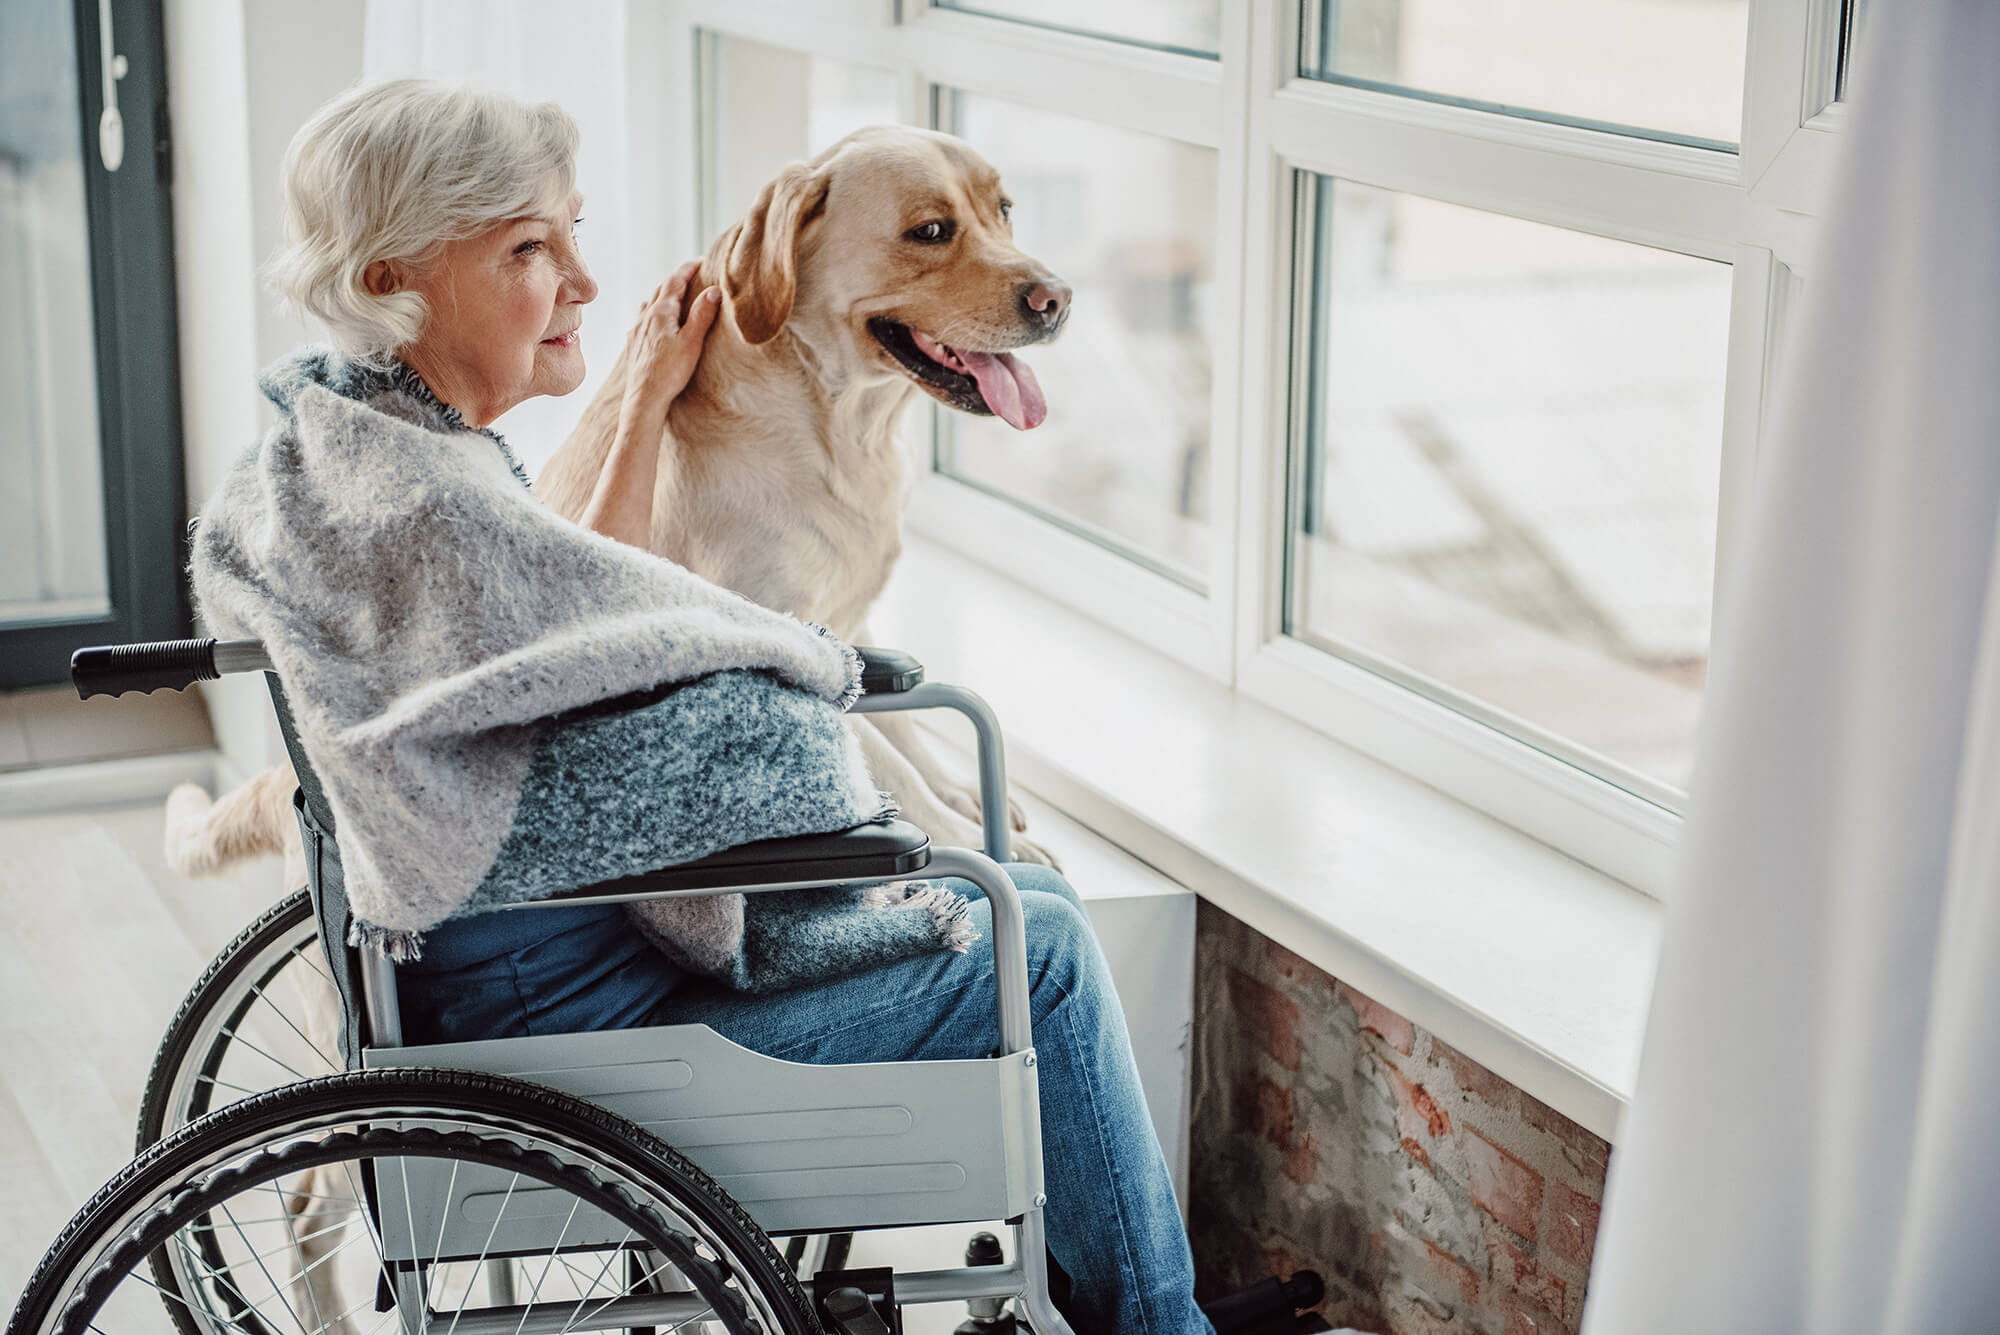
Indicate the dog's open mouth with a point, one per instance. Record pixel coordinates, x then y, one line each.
986 383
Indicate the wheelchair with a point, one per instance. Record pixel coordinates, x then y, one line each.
294 1181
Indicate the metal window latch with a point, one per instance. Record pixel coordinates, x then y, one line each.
110 125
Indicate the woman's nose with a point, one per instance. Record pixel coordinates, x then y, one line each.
583 288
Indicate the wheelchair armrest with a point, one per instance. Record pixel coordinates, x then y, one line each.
880 851
888 671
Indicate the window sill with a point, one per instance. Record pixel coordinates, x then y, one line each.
1530 963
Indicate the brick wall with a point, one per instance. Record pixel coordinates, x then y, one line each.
1331 1133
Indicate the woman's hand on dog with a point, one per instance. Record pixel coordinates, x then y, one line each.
663 349
660 356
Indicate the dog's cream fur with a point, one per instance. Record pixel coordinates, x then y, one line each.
780 475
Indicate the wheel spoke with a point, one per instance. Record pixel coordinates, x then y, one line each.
236 1036
279 1011
299 1256
276 1291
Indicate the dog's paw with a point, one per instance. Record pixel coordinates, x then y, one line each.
186 851
965 801
1027 850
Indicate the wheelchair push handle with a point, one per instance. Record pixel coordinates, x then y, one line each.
113 669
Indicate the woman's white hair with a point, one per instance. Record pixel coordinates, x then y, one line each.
392 171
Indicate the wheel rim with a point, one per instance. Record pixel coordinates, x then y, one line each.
257 1035
226 1191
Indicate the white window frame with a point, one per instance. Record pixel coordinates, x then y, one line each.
1752 209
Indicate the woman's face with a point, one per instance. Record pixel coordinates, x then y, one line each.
505 315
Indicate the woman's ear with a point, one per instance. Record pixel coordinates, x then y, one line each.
760 272
382 278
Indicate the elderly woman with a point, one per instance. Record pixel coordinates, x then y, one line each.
433 231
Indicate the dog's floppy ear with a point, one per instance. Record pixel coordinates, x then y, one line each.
761 272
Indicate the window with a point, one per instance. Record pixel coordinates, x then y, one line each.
1668 70
1128 220
1505 495
1418 351
1192 27
92 509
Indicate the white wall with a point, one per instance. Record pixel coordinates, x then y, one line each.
241 78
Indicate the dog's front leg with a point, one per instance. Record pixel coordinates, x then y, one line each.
921 805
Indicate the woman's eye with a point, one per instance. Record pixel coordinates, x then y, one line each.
1006 210
931 233
528 247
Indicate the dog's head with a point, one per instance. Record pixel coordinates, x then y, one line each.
892 255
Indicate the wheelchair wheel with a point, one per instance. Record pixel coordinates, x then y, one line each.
263 1014
386 1200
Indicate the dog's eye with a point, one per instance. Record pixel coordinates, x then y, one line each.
931 233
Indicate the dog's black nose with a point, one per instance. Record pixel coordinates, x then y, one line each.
1045 302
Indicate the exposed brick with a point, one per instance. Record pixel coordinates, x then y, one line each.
1378 1019
1572 1225
1267 1016
1516 1271
1527 1318
1593 1152
1502 1185
1416 1319
1447 1277
1295 968
1473 1078
1264 1107
1302 1162
1417 1113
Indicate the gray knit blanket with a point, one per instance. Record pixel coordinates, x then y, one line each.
502 705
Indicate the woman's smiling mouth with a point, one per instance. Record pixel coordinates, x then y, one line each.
567 340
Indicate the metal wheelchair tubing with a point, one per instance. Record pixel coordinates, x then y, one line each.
384 1020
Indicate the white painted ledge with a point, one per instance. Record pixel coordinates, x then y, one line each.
1532 964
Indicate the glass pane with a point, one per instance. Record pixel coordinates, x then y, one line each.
1507 492
1128 221
1670 69
52 561
766 107
1191 27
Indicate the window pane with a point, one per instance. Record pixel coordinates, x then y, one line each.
1127 220
1506 494
1665 68
765 107
52 558
1193 27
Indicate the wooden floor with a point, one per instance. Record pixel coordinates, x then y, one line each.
99 941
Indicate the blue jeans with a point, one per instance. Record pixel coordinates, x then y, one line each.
1112 1222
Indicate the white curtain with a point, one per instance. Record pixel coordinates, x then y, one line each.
1814 1145
573 55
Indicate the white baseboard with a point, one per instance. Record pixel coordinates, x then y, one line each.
103 783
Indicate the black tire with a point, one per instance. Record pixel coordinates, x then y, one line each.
186 1080
668 1205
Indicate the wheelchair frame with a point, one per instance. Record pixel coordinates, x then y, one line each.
802 1148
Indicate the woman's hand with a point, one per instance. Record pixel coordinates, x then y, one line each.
663 349
660 357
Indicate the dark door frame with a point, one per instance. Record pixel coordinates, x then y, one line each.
130 215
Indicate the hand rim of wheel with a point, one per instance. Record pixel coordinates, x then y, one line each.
171 1181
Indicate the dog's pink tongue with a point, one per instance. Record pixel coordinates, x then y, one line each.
1008 386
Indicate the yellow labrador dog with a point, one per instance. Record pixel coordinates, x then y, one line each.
883 267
